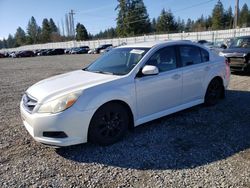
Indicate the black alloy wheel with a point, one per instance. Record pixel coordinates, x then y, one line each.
214 92
109 124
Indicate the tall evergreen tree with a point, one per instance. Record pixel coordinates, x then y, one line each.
108 33
11 42
244 16
189 25
138 19
1 44
32 31
228 18
153 25
46 31
218 16
5 45
180 25
121 20
81 32
20 37
166 22
53 26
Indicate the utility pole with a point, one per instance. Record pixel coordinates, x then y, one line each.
67 24
72 24
236 16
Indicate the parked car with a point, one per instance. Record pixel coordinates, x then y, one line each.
67 50
124 88
102 47
37 51
202 42
43 52
2 55
58 51
238 54
106 49
80 50
25 53
12 54
91 51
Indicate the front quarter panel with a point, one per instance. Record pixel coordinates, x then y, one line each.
94 97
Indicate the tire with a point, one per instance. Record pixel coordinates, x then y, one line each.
214 92
109 124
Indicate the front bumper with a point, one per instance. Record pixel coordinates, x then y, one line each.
239 64
72 122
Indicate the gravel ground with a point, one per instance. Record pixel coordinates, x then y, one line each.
198 147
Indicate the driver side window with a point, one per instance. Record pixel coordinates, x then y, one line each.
164 59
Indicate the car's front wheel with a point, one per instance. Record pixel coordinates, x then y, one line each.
109 124
214 92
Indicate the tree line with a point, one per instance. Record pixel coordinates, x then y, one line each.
132 20
36 34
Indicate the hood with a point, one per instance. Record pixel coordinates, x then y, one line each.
66 83
236 51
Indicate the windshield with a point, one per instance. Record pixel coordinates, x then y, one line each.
241 43
119 61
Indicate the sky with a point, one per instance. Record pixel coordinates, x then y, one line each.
96 15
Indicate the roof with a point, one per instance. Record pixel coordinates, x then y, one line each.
154 43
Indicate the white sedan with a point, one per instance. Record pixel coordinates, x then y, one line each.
124 88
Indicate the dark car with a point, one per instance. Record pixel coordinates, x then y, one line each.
43 52
102 47
58 51
238 54
26 53
80 50
36 52
202 41
2 55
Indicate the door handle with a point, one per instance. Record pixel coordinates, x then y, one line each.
176 76
207 68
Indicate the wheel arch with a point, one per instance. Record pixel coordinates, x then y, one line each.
125 105
219 78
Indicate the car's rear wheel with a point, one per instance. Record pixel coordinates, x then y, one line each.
109 124
214 92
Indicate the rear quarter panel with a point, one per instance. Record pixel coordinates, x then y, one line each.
218 68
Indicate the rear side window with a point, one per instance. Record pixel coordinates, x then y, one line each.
204 55
190 55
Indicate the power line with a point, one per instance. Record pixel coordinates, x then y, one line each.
183 9
199 4
195 5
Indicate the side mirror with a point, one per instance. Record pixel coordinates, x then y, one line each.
150 70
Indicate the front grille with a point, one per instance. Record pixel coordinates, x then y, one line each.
29 103
237 61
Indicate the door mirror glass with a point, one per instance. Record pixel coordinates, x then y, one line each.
150 70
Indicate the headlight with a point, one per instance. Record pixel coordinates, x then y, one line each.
60 104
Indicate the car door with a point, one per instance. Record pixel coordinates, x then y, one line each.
160 92
196 65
